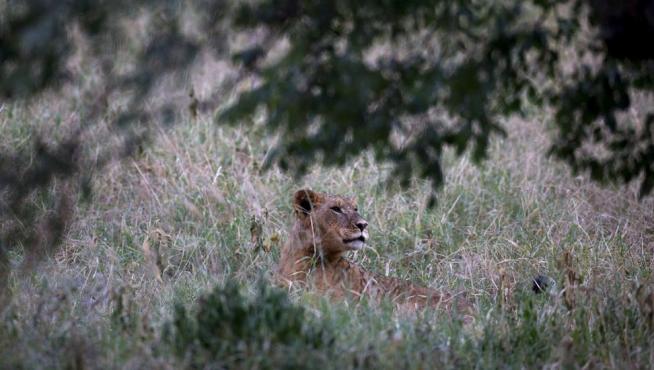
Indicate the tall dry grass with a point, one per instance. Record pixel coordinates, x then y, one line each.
169 224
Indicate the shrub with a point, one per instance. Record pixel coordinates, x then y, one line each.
227 328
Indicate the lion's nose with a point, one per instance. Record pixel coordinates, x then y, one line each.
362 225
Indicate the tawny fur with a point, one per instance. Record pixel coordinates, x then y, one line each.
315 255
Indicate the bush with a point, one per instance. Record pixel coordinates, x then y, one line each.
227 328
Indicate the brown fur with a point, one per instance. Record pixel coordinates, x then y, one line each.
314 254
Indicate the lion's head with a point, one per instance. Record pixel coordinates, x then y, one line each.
334 221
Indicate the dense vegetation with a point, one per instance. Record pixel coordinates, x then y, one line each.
139 230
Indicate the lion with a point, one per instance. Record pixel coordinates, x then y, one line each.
326 228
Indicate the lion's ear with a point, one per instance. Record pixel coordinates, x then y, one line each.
305 200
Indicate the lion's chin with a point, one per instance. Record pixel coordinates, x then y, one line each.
355 244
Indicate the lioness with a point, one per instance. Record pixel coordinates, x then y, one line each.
326 227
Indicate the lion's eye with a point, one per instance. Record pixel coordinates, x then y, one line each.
337 209
356 209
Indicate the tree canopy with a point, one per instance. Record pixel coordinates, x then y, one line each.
356 75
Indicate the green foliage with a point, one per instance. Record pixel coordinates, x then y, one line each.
356 75
36 42
231 329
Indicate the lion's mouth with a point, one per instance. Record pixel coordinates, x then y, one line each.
361 239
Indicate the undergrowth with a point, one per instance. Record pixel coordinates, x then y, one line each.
228 329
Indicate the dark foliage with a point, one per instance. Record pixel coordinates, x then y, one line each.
228 329
446 73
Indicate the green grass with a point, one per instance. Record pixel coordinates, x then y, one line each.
99 303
